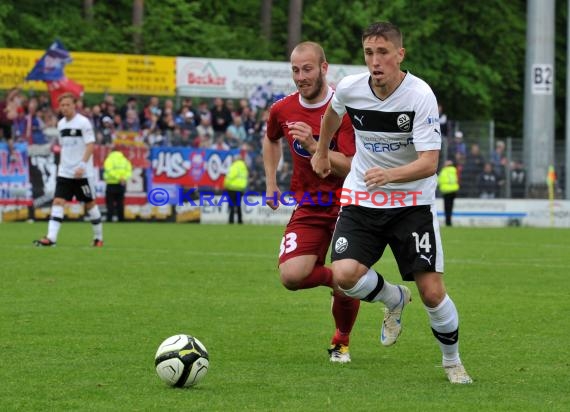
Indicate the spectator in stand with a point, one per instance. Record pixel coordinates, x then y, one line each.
181 138
518 180
186 121
8 113
205 128
499 160
457 145
43 102
50 126
236 134
167 125
131 122
219 143
117 121
488 182
243 104
111 111
473 167
221 116
249 121
230 106
32 126
152 134
131 104
107 132
168 106
96 118
189 105
202 141
151 109
204 113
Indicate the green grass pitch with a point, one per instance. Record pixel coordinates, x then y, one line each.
79 326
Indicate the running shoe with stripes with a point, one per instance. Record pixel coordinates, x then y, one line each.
339 353
392 324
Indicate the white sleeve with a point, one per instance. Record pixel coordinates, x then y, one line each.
427 134
337 102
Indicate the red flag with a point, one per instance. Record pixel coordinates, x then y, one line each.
65 85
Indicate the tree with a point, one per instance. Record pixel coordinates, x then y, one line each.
295 24
138 16
266 6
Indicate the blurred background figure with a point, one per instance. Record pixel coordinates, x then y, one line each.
488 182
448 182
117 170
518 180
235 184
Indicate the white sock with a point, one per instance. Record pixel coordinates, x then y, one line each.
55 219
372 287
95 217
444 322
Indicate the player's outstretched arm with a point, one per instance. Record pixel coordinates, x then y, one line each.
303 133
272 152
321 161
424 166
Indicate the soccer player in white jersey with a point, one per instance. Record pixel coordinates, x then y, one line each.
75 172
388 196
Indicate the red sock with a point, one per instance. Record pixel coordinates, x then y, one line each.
344 310
319 276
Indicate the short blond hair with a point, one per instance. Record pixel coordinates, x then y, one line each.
67 95
315 47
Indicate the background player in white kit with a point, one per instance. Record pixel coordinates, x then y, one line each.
395 117
75 171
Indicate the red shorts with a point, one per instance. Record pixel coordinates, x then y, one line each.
309 232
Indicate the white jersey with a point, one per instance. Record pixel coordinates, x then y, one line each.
74 135
389 133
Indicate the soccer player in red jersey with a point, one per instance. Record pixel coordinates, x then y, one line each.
305 243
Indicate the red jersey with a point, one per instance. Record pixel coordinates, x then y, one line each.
305 182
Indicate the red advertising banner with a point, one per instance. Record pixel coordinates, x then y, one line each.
190 167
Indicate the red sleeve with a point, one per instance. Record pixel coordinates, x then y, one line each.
346 144
274 131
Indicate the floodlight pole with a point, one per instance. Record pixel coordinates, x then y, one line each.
539 95
567 167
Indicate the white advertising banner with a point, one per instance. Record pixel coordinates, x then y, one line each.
467 212
236 79
508 212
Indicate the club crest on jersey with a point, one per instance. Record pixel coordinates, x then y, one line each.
341 245
301 151
404 122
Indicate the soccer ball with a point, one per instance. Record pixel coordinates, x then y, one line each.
181 361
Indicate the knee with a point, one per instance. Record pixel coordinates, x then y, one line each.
345 277
431 297
290 280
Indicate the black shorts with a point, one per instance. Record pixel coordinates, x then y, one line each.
82 189
362 233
